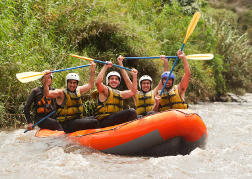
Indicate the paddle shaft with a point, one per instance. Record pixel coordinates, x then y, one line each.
190 29
55 71
128 58
171 71
192 57
71 68
90 59
113 65
41 120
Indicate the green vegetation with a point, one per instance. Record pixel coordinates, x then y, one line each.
37 35
243 8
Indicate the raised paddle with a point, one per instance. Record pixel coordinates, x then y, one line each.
190 29
90 59
42 120
32 76
192 57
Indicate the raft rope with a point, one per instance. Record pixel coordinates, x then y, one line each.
117 127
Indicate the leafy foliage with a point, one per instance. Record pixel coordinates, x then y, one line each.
37 35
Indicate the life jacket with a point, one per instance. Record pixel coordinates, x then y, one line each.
45 105
71 108
144 102
111 105
172 100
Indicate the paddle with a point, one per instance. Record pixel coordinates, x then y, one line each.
41 120
190 29
32 76
192 57
90 59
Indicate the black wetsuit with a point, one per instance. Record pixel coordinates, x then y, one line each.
49 123
80 124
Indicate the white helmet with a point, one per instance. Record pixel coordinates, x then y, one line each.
145 77
113 73
72 76
44 75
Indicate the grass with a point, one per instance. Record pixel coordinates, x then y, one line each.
38 35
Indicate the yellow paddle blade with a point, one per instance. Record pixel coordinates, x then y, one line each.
192 25
200 57
29 76
85 58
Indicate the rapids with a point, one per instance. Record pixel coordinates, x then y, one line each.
228 153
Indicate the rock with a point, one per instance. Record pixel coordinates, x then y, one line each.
224 98
236 98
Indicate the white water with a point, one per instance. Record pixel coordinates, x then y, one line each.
228 153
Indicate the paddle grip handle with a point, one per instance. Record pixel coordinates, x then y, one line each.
41 120
171 71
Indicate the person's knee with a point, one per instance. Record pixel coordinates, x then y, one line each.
92 122
131 110
132 114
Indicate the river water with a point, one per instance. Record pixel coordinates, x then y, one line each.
228 153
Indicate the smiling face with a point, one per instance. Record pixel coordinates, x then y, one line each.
72 84
146 85
169 83
113 81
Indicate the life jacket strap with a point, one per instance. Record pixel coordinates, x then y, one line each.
144 105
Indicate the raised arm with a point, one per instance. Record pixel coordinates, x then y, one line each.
124 73
90 84
182 86
133 90
57 93
100 86
162 57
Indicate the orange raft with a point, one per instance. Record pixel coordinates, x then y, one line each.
166 133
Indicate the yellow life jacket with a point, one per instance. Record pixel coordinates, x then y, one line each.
45 105
172 100
144 102
71 106
111 105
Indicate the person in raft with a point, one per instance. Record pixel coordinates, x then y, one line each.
109 99
173 96
144 99
43 107
69 103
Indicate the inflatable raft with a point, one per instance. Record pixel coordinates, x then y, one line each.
166 133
